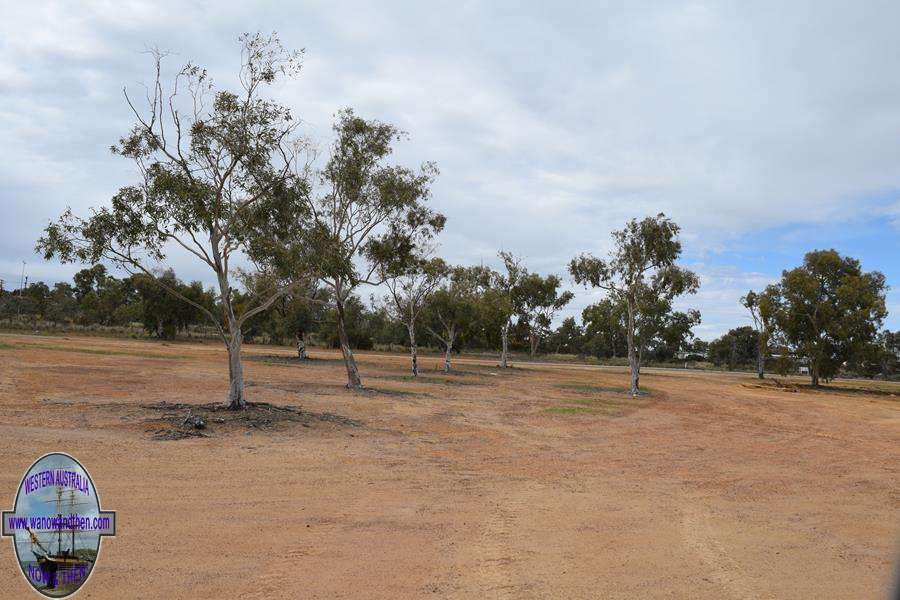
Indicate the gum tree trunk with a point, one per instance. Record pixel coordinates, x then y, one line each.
234 337
504 340
449 343
411 327
236 399
534 341
353 380
633 360
760 362
300 342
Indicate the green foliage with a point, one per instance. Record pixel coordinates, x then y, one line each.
660 332
63 305
605 329
568 338
737 348
366 209
162 313
829 310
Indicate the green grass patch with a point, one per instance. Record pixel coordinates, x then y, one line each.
592 407
597 404
569 410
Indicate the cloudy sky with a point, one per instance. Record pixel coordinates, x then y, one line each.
765 130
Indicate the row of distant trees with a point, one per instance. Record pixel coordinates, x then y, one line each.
456 308
226 179
435 304
450 307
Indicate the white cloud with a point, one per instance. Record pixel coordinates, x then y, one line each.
551 125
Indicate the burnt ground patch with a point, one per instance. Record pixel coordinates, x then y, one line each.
842 387
176 421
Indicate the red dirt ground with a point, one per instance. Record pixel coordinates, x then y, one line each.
535 482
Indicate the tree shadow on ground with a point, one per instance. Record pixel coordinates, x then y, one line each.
865 388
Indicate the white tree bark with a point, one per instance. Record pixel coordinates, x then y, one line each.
451 337
634 361
300 342
236 399
411 327
353 379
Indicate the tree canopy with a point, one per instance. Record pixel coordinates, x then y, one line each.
217 180
829 310
640 271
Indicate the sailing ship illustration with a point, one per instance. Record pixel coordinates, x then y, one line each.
69 564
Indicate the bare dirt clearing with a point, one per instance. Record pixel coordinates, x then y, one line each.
536 482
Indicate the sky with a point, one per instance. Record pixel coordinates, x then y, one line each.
764 129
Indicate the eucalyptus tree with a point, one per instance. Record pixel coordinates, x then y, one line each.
640 269
365 216
507 299
762 312
453 308
539 299
829 310
217 181
409 287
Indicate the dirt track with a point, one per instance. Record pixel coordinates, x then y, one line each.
530 483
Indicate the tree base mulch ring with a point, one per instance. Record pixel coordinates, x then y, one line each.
180 421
